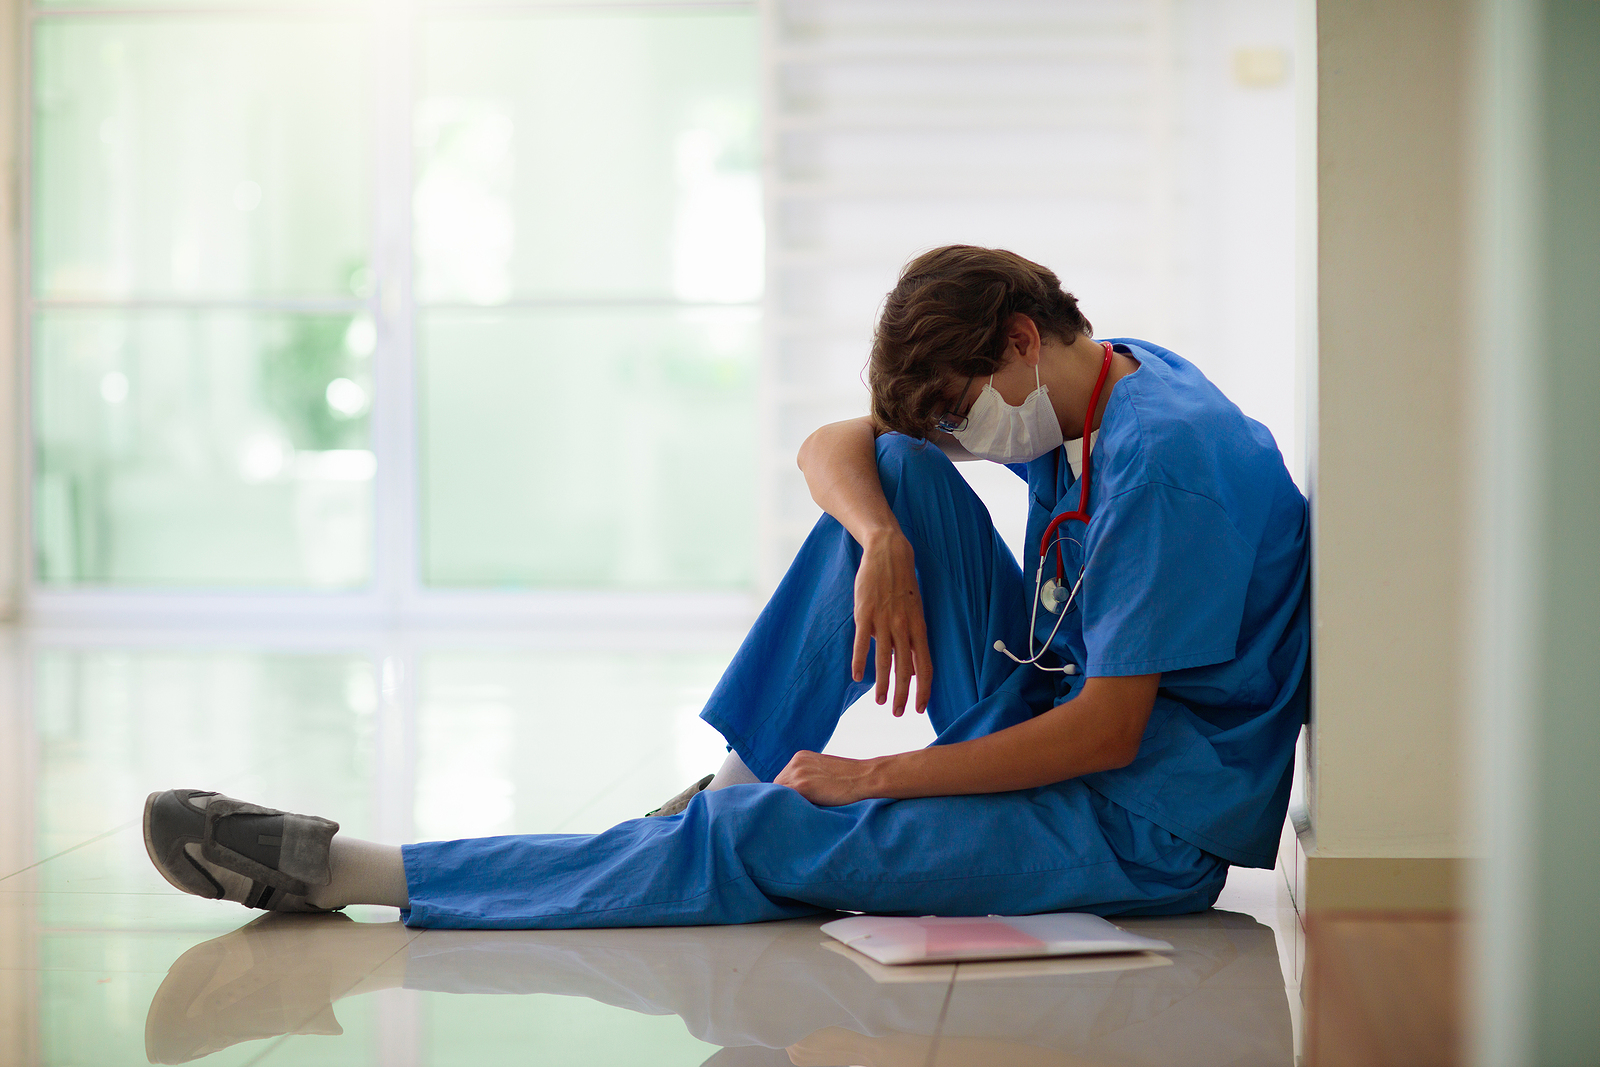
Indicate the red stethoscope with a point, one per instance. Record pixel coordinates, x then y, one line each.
1060 603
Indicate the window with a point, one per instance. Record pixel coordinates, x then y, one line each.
437 299
348 299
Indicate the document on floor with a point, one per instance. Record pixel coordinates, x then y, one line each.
936 939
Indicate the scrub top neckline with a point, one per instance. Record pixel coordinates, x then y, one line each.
1074 449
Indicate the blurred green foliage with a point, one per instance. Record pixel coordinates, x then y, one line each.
294 383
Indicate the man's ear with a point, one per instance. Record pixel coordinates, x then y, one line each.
1023 335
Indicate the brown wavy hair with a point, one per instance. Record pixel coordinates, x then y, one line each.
946 319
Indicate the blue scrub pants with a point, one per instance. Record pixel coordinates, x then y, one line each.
756 852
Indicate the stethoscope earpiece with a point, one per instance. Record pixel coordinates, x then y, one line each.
1071 668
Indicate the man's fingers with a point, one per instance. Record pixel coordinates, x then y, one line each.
922 662
858 659
881 661
903 670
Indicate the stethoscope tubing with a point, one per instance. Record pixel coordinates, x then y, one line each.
1045 542
1082 512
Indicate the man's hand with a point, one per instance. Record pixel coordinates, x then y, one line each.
827 781
1098 730
841 468
888 611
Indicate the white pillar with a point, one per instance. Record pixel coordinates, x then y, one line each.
1389 462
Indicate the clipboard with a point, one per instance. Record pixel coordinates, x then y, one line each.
895 940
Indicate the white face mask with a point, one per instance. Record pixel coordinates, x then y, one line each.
997 431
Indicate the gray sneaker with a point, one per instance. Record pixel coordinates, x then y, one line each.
676 805
214 846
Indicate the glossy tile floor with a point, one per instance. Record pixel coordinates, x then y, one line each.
102 964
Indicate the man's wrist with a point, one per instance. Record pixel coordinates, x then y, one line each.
884 775
881 535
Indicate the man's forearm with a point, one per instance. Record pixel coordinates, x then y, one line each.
1094 732
841 468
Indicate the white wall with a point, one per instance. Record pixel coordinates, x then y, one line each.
1236 302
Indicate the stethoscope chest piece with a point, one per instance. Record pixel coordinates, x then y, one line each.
1051 595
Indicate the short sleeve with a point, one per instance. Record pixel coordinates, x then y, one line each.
1165 582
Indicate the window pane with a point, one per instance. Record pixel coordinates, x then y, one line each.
601 156
200 158
202 448
589 448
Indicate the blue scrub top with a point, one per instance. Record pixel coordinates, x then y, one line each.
1197 569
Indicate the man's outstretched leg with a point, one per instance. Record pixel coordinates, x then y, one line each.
738 856
764 852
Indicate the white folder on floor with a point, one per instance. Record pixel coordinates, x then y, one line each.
935 939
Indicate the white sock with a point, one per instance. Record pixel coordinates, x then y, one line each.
732 772
363 872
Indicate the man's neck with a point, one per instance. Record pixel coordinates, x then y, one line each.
1074 369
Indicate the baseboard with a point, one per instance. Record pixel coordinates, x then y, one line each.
1382 883
1368 883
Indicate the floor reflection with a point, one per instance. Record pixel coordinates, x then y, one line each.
772 993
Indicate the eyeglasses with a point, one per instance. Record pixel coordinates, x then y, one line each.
950 422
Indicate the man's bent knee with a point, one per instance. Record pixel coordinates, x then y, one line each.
901 457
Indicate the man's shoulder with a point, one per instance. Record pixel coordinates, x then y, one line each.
1177 429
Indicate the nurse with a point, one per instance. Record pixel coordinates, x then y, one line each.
1144 747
